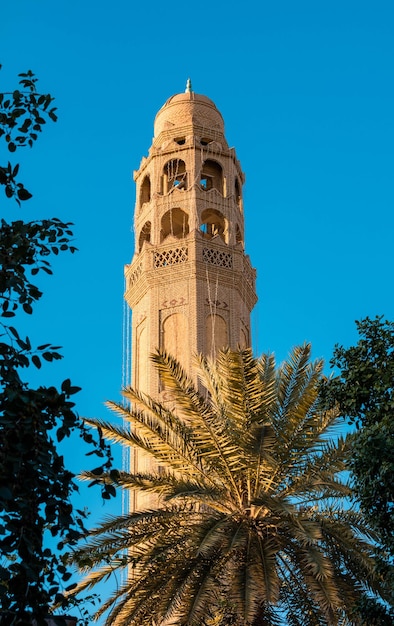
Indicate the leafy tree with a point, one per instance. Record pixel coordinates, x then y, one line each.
35 485
364 391
247 520
23 113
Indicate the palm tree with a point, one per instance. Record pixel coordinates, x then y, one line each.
250 521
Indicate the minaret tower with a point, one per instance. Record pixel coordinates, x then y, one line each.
190 284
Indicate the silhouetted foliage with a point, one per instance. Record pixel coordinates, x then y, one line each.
364 391
35 485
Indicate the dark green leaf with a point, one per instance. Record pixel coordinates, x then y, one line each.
98 471
36 360
5 493
23 194
14 331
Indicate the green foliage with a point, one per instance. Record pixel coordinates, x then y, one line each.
23 113
35 485
364 392
368 612
27 246
242 514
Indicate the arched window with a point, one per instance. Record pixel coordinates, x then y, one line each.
174 175
141 350
238 235
211 176
175 331
213 224
238 196
144 235
216 334
145 191
174 222
244 338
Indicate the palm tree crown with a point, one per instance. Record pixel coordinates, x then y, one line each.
249 520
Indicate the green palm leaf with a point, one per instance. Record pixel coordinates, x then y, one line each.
248 521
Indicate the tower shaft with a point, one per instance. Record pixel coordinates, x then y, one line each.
190 284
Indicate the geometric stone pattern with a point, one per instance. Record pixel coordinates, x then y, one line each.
217 304
170 257
135 275
248 272
217 257
173 303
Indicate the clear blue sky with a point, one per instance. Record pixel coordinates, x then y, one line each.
306 90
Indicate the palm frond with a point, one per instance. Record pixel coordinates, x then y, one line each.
297 392
251 520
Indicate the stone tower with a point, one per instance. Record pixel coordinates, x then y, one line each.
190 284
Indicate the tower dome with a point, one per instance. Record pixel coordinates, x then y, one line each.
188 109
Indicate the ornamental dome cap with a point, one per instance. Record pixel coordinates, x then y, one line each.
188 109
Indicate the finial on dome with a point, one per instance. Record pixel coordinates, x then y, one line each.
188 86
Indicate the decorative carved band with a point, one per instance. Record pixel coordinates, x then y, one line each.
135 275
218 304
249 272
217 257
170 257
173 303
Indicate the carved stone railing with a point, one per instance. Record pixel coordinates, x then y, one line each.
218 258
172 256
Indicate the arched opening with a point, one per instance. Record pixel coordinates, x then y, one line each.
244 339
238 235
141 350
144 235
211 176
175 331
174 175
145 191
174 222
216 334
213 224
238 197
139 459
